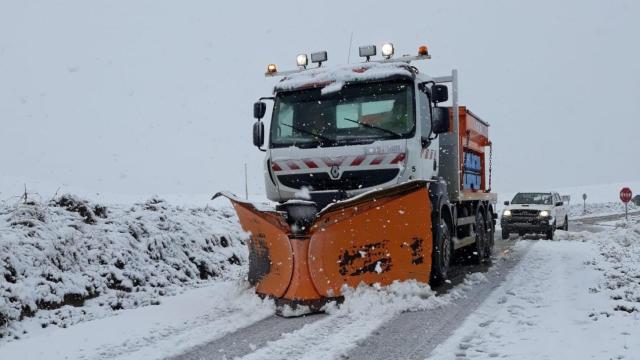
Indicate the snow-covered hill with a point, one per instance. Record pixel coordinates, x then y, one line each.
99 259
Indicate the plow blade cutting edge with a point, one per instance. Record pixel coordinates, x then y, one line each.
378 237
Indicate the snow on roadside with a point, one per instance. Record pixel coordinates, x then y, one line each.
154 332
362 312
619 264
69 260
577 297
577 211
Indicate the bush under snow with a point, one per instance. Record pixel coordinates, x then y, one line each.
56 256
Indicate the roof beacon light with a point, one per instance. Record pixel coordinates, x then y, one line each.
423 50
319 57
387 50
271 69
302 61
367 51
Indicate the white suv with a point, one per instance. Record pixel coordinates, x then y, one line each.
535 212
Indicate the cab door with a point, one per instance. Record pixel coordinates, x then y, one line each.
559 210
428 151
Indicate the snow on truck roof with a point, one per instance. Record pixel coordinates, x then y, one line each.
332 78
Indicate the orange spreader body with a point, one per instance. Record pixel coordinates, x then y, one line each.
379 237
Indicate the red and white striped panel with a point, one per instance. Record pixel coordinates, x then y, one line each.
341 161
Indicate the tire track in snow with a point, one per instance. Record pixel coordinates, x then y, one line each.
247 339
364 310
414 335
231 308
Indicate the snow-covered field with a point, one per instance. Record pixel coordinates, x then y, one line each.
574 298
68 260
577 211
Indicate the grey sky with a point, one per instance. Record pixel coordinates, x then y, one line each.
155 96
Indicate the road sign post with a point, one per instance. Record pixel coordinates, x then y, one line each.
584 200
625 196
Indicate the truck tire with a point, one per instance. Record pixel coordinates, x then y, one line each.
480 246
441 254
491 235
505 234
549 234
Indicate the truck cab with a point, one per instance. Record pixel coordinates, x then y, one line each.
535 212
337 133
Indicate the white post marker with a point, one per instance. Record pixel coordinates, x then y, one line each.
246 183
625 196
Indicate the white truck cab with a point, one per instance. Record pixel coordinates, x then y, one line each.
535 212
370 128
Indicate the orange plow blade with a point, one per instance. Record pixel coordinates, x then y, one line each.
383 237
378 237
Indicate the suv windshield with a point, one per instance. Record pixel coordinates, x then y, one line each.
359 113
532 198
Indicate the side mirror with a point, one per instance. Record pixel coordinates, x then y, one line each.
506 203
439 93
559 203
440 120
259 108
258 134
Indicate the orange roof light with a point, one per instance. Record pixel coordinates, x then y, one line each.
271 68
422 50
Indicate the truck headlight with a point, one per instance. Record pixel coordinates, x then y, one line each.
506 213
544 213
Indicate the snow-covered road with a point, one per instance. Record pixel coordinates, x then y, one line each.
576 297
549 308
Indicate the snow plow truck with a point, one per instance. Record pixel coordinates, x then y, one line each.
378 177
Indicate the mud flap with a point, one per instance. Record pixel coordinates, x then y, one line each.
378 237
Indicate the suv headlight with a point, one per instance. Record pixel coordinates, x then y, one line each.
506 213
544 213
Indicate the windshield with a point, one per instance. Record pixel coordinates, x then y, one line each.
532 198
359 113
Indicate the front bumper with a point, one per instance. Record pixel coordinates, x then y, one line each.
526 224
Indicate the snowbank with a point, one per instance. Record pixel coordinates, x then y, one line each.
618 262
58 257
577 211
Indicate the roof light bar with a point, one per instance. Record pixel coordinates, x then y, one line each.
367 51
319 57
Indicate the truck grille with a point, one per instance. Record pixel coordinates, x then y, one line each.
525 212
350 180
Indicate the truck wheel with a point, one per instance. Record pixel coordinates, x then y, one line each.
505 234
441 254
566 224
480 247
491 234
549 234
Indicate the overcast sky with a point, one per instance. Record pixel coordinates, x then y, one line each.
143 97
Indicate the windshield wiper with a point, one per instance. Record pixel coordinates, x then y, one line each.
397 135
317 136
